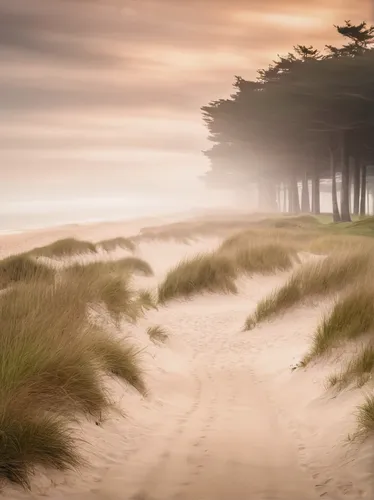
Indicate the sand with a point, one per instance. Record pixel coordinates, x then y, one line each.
226 417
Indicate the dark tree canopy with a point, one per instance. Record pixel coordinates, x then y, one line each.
308 116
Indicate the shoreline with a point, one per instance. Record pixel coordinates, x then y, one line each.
14 242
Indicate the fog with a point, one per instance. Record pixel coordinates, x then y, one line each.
101 100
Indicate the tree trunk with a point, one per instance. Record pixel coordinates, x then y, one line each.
356 186
368 198
344 198
294 196
305 203
363 190
279 196
335 207
316 207
285 189
271 189
267 196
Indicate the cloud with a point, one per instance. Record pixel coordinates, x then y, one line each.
80 30
119 76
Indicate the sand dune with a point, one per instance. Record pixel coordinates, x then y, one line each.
226 417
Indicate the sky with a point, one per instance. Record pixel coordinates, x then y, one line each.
100 99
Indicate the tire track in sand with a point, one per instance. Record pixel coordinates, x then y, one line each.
231 446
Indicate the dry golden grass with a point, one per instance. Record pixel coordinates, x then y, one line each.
186 232
124 266
116 357
210 272
328 243
312 280
52 366
114 243
147 300
158 334
357 371
352 315
264 257
304 221
217 271
365 417
23 268
38 439
66 247
97 283
223 226
110 283
258 235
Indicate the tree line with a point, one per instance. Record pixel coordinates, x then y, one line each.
308 117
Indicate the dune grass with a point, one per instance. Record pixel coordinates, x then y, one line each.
116 358
209 272
365 417
352 315
110 283
260 258
124 266
97 283
36 439
23 268
306 230
132 265
112 244
116 294
217 271
146 300
53 363
157 334
224 225
312 280
292 221
358 370
66 247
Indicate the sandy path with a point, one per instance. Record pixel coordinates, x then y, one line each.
226 418
229 446
226 440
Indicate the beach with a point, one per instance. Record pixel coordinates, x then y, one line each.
226 414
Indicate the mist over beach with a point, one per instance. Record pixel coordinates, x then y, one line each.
186 250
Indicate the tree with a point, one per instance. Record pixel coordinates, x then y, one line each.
304 118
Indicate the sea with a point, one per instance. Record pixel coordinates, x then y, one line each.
31 215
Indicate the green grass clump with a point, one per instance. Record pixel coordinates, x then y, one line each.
217 271
279 300
66 247
23 268
157 334
294 222
365 417
352 315
359 370
99 283
204 273
53 363
318 279
114 243
36 439
116 358
117 295
146 300
261 258
225 224
125 267
110 283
